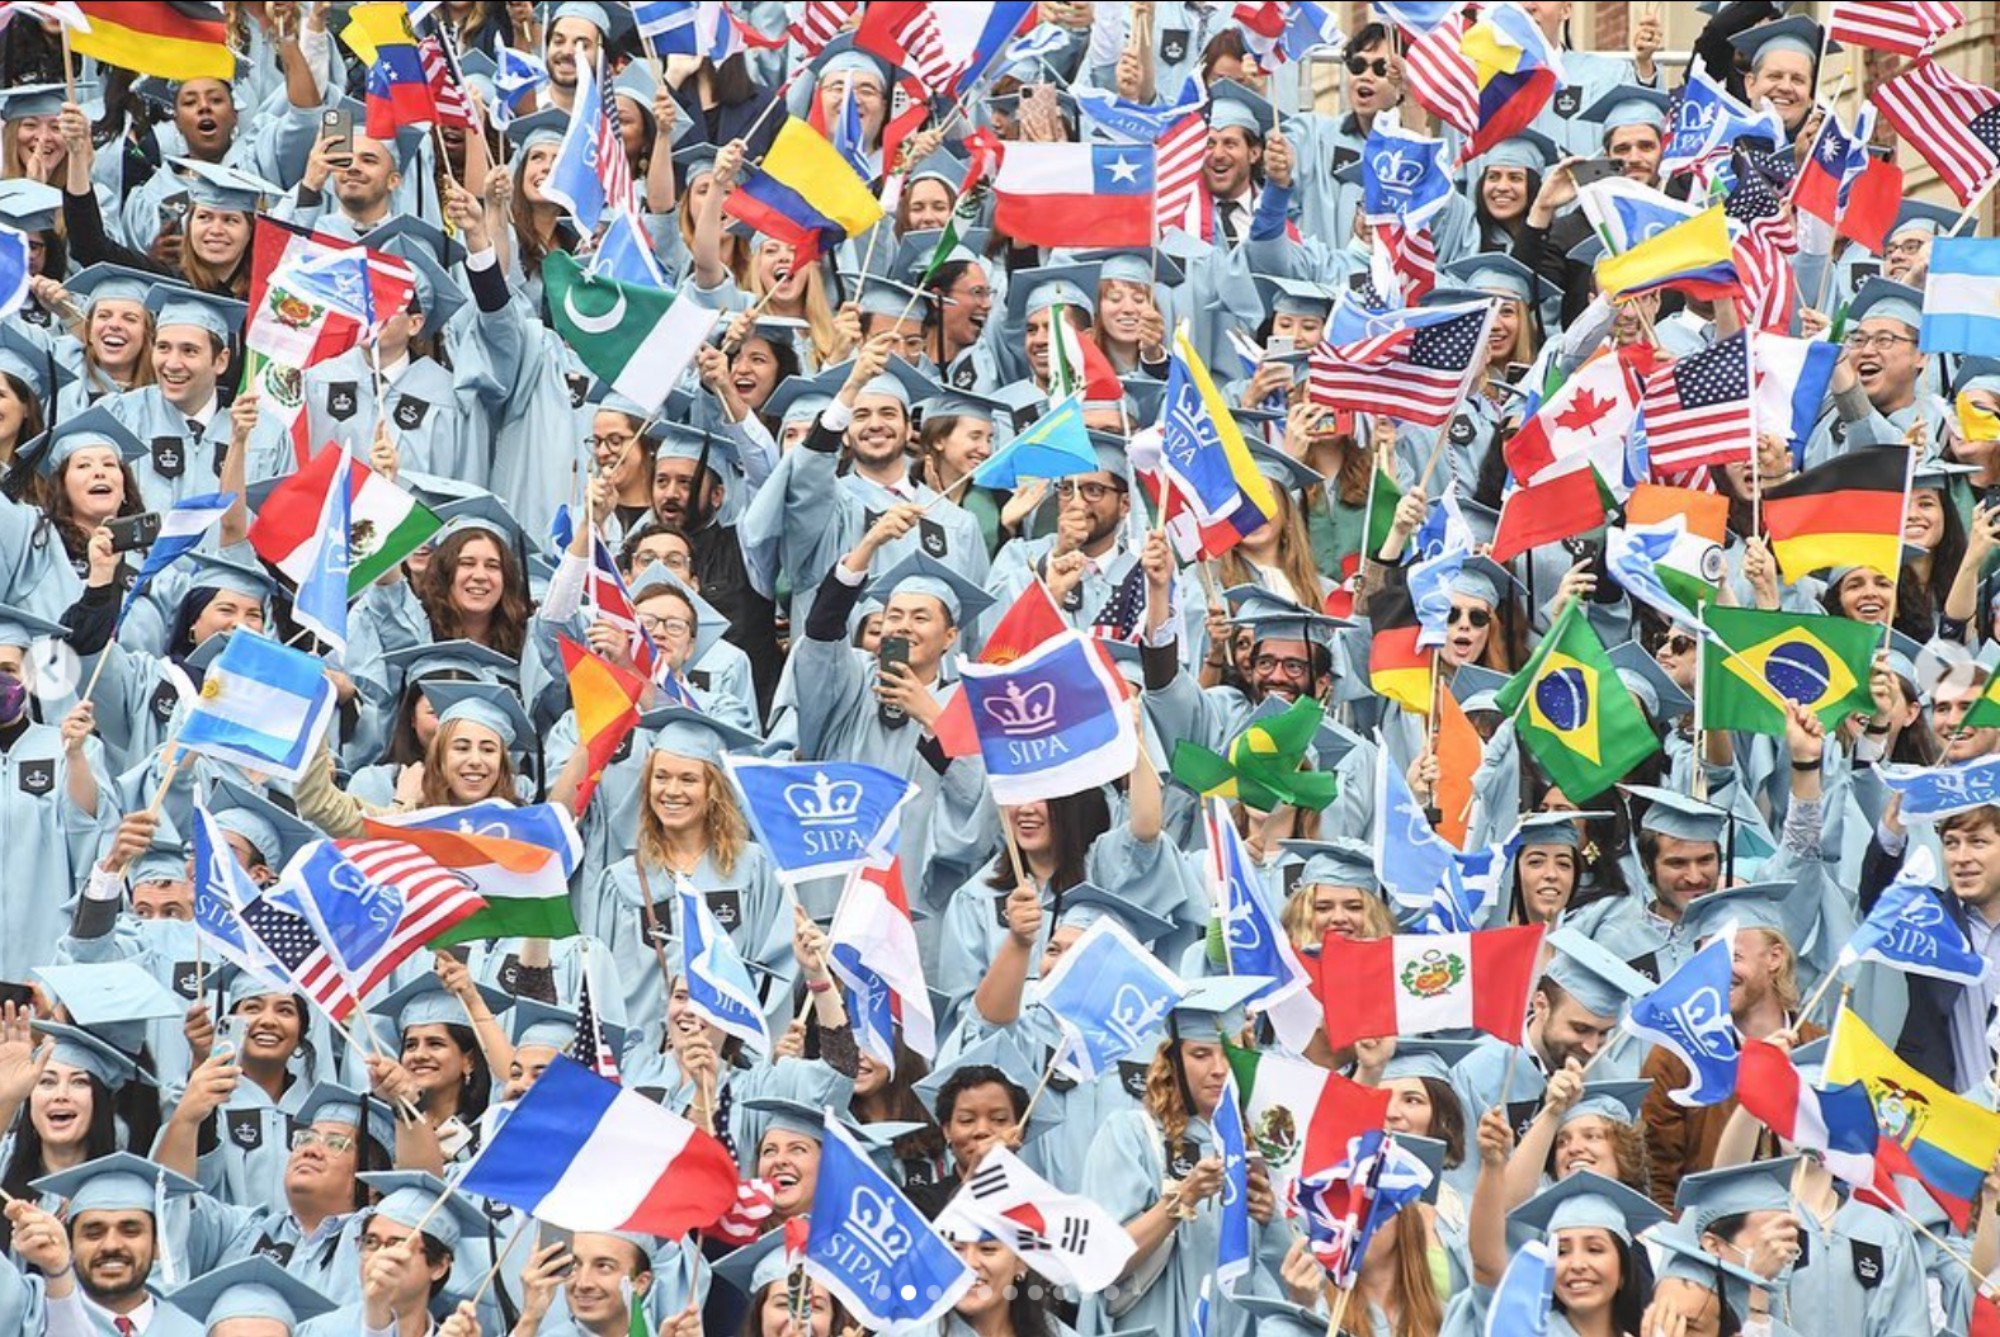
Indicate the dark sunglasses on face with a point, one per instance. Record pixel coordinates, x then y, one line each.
1379 66
1677 645
1477 618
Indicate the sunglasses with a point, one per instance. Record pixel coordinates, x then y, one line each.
1477 618
1677 645
1363 65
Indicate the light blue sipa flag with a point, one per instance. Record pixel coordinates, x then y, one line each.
1403 177
872 1248
1931 792
1232 1261
819 818
1521 1304
1110 996
1910 930
573 181
1688 1016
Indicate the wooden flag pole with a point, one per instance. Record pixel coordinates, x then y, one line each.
1342 1296
1043 1085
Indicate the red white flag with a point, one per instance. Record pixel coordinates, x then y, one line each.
1906 27
1953 123
1588 418
907 34
1441 76
1067 1238
819 22
1179 201
1698 408
1419 983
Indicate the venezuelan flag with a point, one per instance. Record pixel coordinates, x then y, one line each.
168 41
606 700
1517 70
1692 257
1846 512
805 193
1950 1140
1397 669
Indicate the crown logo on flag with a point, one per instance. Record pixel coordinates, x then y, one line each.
872 1218
1134 1014
1398 170
824 801
1023 712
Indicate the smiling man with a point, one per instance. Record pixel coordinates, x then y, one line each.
179 417
1877 387
112 1243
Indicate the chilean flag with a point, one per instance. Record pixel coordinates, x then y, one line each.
874 951
1836 1121
1075 194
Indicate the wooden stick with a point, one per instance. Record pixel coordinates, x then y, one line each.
97 670
945 495
494 1271
1811 1004
175 756
437 1205
1342 1295
69 71
1021 877
1043 1085
762 304
1984 1289
1970 206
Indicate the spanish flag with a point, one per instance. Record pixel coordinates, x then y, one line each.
1846 512
1397 669
1950 1140
606 700
169 41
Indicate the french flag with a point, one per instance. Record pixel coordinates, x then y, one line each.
586 1154
874 951
1836 1121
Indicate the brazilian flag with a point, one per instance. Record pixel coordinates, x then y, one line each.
1262 769
1772 657
1574 714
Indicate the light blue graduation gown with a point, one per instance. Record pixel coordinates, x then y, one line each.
50 843
273 144
180 461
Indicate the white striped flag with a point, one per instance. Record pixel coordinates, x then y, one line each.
1411 365
874 951
181 531
1440 75
1953 123
744 1221
819 22
1697 409
447 84
591 1048
907 34
1412 255
614 169
1906 27
1179 199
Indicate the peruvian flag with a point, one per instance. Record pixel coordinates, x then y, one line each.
874 951
1838 1122
1587 419
1420 983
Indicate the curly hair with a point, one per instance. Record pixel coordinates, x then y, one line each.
722 821
509 627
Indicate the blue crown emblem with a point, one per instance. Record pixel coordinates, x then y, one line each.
1397 170
872 1219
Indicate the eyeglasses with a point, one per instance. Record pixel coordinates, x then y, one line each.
982 293
1286 665
1914 246
336 1143
1476 618
1379 66
612 441
1090 492
1880 341
665 626
1676 645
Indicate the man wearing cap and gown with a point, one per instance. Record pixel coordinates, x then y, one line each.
179 418
819 514
1678 850
255 1290
396 1292
572 44
1877 390
1086 561
56 801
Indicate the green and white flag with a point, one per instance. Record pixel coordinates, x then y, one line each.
637 340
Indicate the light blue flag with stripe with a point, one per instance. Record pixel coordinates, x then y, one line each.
1521 1304
718 983
263 706
181 532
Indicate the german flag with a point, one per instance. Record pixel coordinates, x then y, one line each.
1846 512
170 41
1397 669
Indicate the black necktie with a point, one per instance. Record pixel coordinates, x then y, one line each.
1232 219
195 429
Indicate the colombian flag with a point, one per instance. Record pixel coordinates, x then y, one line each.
1950 1140
805 193
168 41
1692 257
1846 512
1769 658
1574 714
1397 669
1517 70
606 700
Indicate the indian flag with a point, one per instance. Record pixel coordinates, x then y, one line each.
638 340
1691 567
519 858
385 523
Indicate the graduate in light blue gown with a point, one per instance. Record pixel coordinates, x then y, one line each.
103 1197
1007 1298
1679 850
30 377
1880 400
444 1267
85 466
756 1282
392 732
1590 1226
179 417
251 1291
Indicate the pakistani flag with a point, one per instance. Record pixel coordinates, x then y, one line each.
637 340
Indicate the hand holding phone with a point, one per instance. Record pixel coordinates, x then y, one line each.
1592 170
891 650
131 532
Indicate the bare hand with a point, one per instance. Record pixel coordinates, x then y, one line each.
21 1063
40 1239
1024 915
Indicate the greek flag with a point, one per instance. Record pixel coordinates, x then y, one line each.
1688 1016
1910 930
872 1248
718 982
1110 996
263 707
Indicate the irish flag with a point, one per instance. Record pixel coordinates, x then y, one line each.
1420 983
518 857
385 523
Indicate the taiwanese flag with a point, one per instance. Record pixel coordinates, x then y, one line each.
1846 512
1517 72
399 91
606 700
1397 669
167 41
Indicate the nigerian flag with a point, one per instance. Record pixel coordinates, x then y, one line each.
1574 714
1820 662
636 339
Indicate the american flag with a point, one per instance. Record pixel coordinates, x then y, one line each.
1697 410
1906 27
1413 255
1118 620
745 1221
614 169
1954 124
1413 373
1762 253
907 34
820 22
1440 75
447 84
1178 198
435 899
590 1047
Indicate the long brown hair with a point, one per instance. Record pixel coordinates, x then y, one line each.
437 793
142 370
1163 1093
722 820
56 504
206 278
510 618
1295 559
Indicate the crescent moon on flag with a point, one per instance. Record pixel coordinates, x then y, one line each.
594 324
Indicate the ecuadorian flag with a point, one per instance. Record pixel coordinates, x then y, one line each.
1518 70
1950 1140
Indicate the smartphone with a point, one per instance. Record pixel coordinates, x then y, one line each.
336 126
229 1033
20 995
892 650
547 1234
1595 169
453 1137
173 212
130 532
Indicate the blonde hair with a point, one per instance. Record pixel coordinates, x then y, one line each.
722 821
1297 917
1295 558
436 792
818 311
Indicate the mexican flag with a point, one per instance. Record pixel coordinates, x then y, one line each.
1300 1114
385 524
1421 983
638 340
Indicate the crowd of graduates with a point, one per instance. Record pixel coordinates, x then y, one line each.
191 1148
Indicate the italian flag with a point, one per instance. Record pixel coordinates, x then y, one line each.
1420 983
1300 1114
385 525
638 340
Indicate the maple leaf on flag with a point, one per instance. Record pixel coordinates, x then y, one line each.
1584 410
